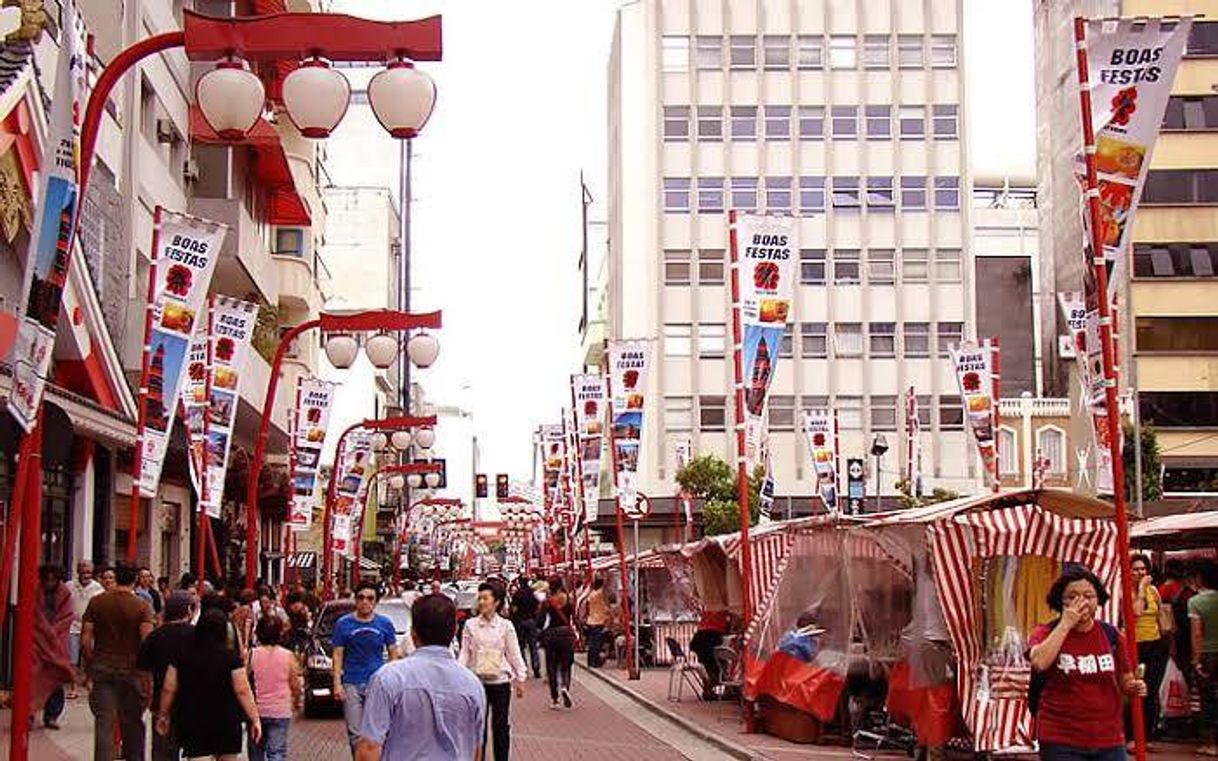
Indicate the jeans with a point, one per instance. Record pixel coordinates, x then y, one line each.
53 708
354 696
1208 687
116 698
596 639
274 745
1052 752
498 708
526 636
560 654
74 648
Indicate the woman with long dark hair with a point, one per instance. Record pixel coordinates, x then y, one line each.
556 624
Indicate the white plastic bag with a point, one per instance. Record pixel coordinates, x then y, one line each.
1173 693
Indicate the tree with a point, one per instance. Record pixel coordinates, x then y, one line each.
1152 467
938 494
713 481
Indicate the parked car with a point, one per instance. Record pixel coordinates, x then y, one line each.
397 611
319 657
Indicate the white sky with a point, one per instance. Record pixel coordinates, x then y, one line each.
520 112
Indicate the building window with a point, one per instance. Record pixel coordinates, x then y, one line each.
912 122
811 122
875 51
777 51
879 122
712 413
1177 334
710 195
744 123
678 413
879 194
845 122
947 265
848 339
846 193
1191 112
1181 186
676 267
951 413
945 122
676 194
917 339
744 193
813 340
676 123
811 194
1052 445
710 266
710 123
678 339
846 267
778 194
1175 260
950 334
1008 452
881 266
849 411
782 413
811 267
777 122
883 413
914 265
882 339
843 52
947 193
712 340
708 52
811 52
926 409
913 193
943 51
813 402
743 52
786 345
675 53
289 241
910 52
1179 409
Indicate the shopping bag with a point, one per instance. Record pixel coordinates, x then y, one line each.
1009 671
1173 693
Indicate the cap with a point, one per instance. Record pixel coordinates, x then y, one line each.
177 605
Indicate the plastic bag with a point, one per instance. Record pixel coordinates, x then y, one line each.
1173 693
1009 670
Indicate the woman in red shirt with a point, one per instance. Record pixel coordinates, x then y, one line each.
1082 665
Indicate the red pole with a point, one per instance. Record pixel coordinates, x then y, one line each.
137 460
742 475
328 507
1100 275
996 377
579 475
632 668
204 521
27 597
214 552
16 505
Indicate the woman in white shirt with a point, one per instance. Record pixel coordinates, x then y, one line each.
489 648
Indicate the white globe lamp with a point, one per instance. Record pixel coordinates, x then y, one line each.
381 350
423 348
316 98
341 350
231 98
402 97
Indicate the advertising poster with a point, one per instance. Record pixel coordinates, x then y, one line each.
821 436
913 443
590 408
766 250
50 247
354 471
553 450
1083 330
628 363
194 401
232 327
856 485
310 420
972 366
183 262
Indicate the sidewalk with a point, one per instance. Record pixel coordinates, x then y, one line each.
73 741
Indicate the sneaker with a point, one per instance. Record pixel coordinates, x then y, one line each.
553 705
566 697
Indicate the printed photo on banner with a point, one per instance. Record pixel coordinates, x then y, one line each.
820 435
974 377
166 357
53 255
628 368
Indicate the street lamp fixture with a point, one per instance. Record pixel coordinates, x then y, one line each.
341 350
432 480
402 98
879 446
424 438
381 349
379 441
423 348
414 480
231 98
316 98
401 439
397 481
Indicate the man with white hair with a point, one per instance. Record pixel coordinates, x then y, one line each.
83 588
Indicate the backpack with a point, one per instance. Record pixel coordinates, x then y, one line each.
1039 678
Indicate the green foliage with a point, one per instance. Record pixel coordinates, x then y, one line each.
938 494
713 481
1152 466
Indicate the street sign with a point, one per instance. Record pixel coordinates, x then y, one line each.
640 510
855 485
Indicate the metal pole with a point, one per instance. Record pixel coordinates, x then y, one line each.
638 597
27 596
879 496
996 403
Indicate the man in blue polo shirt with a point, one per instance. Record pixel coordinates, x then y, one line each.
361 641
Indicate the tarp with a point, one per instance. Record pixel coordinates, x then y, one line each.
1174 532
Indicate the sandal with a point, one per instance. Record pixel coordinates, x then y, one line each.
1208 750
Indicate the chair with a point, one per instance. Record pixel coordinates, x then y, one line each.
682 672
731 675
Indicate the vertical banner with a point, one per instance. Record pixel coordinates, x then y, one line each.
972 366
628 365
913 444
765 495
194 402
552 465
311 416
589 393
1083 330
50 248
766 258
856 485
232 327
184 259
354 471
820 433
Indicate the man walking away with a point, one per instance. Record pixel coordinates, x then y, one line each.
597 618
427 706
489 649
361 639
52 667
83 588
114 625
524 617
162 647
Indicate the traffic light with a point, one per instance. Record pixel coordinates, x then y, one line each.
480 486
501 486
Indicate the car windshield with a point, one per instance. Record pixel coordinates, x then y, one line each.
398 612
330 614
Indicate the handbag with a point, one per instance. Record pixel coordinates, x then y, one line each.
1167 618
488 663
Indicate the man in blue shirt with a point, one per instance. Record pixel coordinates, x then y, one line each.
426 707
361 640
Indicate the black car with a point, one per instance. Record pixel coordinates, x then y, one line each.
319 657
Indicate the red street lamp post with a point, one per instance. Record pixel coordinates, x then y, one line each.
399 535
397 474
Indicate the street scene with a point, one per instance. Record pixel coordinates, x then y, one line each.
608 379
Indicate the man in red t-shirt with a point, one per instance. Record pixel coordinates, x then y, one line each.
1085 671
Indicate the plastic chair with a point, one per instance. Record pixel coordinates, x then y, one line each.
683 672
731 676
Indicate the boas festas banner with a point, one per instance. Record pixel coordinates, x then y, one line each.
309 422
589 394
820 434
765 248
973 367
628 364
553 453
354 473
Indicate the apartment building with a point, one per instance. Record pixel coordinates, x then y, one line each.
847 114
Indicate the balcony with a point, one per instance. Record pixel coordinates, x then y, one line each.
298 289
245 265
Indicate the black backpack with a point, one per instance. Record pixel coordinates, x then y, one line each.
1037 684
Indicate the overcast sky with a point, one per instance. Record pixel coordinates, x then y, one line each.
496 236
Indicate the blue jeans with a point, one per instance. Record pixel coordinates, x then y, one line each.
53 708
274 745
1052 752
354 696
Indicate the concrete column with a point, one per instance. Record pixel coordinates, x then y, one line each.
83 504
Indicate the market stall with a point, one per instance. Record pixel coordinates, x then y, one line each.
1185 531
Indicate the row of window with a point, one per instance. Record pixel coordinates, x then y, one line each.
876 266
1175 259
1181 186
883 413
845 193
1179 409
1191 112
807 52
780 122
875 340
1177 334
